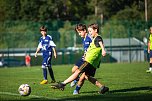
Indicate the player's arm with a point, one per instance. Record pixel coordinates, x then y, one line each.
38 49
52 44
103 48
54 51
99 43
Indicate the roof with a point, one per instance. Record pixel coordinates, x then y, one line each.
123 42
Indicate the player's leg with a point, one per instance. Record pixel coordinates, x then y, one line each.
44 69
51 74
73 83
79 84
150 63
90 73
50 70
68 80
71 78
75 67
103 88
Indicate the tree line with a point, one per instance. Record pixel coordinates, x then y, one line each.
122 18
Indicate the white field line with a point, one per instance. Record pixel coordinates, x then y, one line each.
9 93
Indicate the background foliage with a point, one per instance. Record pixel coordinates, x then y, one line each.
22 18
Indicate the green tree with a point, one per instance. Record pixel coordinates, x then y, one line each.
9 9
66 35
29 9
110 7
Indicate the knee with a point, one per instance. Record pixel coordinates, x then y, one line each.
74 69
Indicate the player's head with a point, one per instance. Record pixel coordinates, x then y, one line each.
93 29
81 29
43 30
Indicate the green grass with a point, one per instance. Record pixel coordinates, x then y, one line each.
127 82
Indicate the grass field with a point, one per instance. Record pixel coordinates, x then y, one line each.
127 82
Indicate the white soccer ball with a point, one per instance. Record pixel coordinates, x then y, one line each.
24 90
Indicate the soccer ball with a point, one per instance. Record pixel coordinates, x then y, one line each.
24 90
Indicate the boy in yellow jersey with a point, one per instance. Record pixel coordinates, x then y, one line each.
150 51
92 61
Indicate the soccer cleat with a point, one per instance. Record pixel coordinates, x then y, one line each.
148 71
73 83
104 90
58 86
75 92
53 81
44 82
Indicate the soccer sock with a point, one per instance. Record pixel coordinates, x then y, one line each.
77 79
45 73
51 73
102 87
78 88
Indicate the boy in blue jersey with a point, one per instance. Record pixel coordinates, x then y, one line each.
47 46
81 29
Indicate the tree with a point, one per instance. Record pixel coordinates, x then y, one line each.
9 9
66 35
111 7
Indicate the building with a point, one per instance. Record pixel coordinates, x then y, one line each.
125 49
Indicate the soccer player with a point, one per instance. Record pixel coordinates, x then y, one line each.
81 29
92 60
150 51
47 46
83 77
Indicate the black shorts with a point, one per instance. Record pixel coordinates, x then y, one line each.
88 69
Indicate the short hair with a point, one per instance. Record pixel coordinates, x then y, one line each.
80 27
43 28
94 26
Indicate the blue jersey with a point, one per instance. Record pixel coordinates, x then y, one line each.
46 44
86 42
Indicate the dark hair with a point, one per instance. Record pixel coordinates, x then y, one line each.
94 26
43 28
80 27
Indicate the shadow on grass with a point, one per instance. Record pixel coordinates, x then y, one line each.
115 95
133 89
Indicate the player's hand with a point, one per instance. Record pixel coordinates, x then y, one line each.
35 54
103 53
55 56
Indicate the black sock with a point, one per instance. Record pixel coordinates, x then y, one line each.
150 65
51 73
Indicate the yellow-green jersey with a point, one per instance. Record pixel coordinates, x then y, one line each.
150 40
94 52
